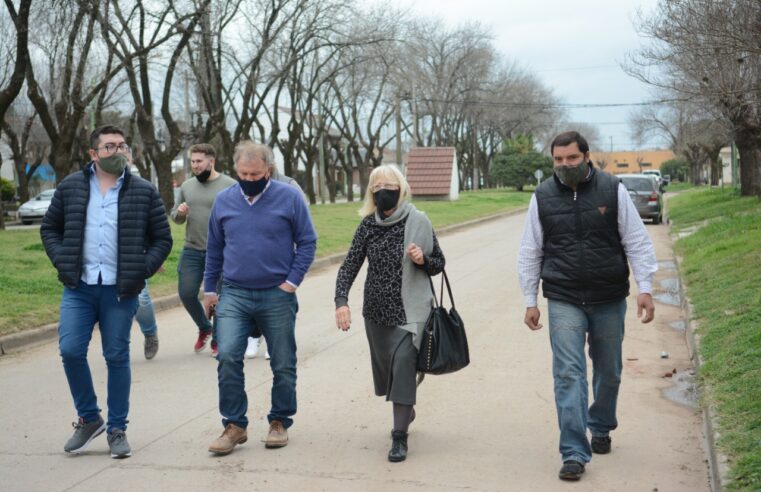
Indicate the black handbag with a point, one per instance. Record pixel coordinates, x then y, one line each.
444 347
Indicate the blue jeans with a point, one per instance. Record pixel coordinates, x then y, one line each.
145 316
81 308
273 311
571 326
190 270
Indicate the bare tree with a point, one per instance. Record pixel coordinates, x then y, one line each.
130 39
708 52
20 58
70 70
29 147
365 93
687 131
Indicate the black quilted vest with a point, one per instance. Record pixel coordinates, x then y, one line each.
584 260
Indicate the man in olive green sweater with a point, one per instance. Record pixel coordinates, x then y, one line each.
193 208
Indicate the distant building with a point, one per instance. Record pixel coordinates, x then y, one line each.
432 173
630 161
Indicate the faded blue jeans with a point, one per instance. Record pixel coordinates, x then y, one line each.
81 308
273 312
571 327
145 316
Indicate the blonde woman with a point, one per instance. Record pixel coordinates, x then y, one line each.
402 251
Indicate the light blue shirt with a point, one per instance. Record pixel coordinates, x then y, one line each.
100 251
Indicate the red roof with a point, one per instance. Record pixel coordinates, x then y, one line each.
429 170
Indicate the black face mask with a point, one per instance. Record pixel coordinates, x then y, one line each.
386 200
203 176
253 188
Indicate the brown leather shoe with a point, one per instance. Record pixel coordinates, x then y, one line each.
225 443
278 436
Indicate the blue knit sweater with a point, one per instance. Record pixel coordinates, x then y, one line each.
262 245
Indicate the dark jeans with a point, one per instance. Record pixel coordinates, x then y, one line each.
81 308
273 311
190 270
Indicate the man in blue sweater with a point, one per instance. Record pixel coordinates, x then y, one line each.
261 242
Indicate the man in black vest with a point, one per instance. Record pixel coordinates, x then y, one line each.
582 233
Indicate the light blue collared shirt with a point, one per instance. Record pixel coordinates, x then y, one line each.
99 251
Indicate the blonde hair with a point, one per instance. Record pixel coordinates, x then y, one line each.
249 151
388 172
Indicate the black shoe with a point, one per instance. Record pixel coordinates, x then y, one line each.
571 470
398 447
601 445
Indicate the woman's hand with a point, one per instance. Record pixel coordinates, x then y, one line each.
343 318
415 254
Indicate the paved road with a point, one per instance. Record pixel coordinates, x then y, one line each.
489 427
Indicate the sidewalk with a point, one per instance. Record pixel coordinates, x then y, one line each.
489 427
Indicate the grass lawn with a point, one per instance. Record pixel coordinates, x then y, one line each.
722 270
30 291
674 187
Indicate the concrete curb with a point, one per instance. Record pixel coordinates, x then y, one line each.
33 337
718 467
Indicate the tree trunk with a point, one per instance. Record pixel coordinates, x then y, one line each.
164 174
750 160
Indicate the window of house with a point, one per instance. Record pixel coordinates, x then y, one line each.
647 164
622 164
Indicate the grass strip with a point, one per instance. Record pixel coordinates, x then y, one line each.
722 271
30 292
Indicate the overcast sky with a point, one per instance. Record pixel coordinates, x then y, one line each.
574 47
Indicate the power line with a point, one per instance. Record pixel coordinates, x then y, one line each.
570 69
544 106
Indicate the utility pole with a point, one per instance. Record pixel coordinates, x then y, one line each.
185 157
321 129
474 152
414 118
399 133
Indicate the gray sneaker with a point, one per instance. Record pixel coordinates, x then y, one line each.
117 441
151 346
83 434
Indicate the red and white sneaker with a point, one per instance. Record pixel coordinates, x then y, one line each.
214 349
203 337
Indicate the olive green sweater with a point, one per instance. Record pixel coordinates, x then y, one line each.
199 197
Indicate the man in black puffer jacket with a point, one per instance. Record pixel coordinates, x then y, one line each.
106 231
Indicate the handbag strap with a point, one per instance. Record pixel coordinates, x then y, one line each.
449 287
444 279
433 291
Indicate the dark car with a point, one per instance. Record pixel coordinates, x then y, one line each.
645 194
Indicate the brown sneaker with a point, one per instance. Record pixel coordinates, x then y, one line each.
278 436
225 443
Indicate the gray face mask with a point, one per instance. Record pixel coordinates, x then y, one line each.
113 164
572 175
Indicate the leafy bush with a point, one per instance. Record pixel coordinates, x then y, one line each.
7 190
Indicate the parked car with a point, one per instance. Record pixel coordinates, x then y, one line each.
656 174
35 208
645 194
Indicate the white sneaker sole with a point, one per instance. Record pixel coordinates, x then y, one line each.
84 446
120 456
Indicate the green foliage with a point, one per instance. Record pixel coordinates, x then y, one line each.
517 162
676 168
722 270
7 190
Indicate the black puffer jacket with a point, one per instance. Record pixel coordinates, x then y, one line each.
143 231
